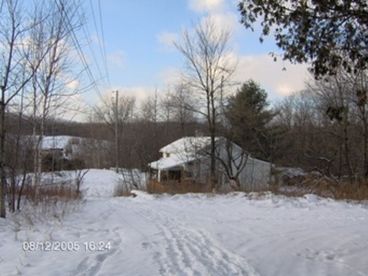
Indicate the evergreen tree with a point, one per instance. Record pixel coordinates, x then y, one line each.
248 114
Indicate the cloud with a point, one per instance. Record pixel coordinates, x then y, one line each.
116 59
167 39
72 85
279 78
95 39
205 5
223 21
140 93
170 76
72 107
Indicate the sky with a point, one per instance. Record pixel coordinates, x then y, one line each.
129 46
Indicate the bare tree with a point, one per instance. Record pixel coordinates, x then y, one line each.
150 108
181 106
115 115
208 70
351 113
15 70
52 39
361 102
324 127
19 150
233 160
334 94
34 46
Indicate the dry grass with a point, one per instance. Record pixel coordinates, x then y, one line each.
323 186
176 187
46 203
50 193
295 186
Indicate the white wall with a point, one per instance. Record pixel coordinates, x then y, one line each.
256 173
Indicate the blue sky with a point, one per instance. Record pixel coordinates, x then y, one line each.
140 57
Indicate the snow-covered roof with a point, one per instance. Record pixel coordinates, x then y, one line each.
52 142
181 151
170 162
55 142
61 141
187 145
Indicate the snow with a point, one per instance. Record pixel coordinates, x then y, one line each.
170 162
100 183
181 151
291 172
193 234
188 145
56 142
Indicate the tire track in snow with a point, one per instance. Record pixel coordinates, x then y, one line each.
192 252
92 264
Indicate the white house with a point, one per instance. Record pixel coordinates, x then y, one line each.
189 159
56 145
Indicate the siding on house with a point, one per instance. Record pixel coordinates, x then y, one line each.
256 174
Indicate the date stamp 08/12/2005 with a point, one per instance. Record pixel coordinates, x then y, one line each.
66 246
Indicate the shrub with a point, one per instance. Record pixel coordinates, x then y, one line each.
45 203
176 187
51 193
324 186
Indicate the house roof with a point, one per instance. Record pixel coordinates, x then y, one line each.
170 162
187 145
55 142
187 149
181 151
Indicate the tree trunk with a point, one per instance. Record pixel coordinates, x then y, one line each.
21 187
2 161
212 128
213 160
365 143
347 149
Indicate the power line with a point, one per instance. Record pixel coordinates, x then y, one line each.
100 45
94 57
78 47
103 38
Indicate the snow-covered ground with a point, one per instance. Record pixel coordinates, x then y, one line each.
234 234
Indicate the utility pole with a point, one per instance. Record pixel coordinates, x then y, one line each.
117 131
